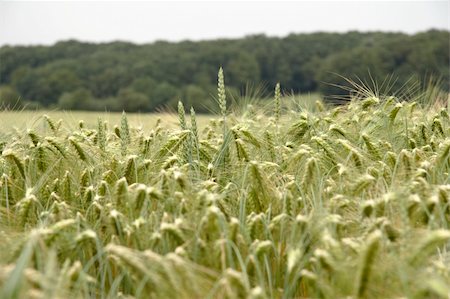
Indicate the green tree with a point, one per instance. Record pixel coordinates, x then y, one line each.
9 98
132 101
243 69
46 85
109 82
80 99
163 94
362 63
144 85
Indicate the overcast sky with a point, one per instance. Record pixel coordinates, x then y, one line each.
38 22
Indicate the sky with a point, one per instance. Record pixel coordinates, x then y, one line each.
39 22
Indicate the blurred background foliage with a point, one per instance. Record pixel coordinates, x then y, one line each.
120 76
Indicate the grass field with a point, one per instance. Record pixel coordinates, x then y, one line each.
27 119
32 119
325 202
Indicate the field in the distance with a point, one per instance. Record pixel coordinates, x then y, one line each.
32 119
27 119
326 202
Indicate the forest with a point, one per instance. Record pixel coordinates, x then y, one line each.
120 75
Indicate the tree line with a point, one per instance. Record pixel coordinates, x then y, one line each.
125 76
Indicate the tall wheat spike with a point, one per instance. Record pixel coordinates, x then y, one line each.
277 103
221 94
181 116
101 134
195 136
125 138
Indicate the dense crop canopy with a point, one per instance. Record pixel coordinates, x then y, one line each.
351 201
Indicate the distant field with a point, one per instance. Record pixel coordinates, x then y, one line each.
27 119
33 119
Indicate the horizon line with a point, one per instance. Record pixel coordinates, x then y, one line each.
176 41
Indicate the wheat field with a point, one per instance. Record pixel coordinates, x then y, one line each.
349 201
